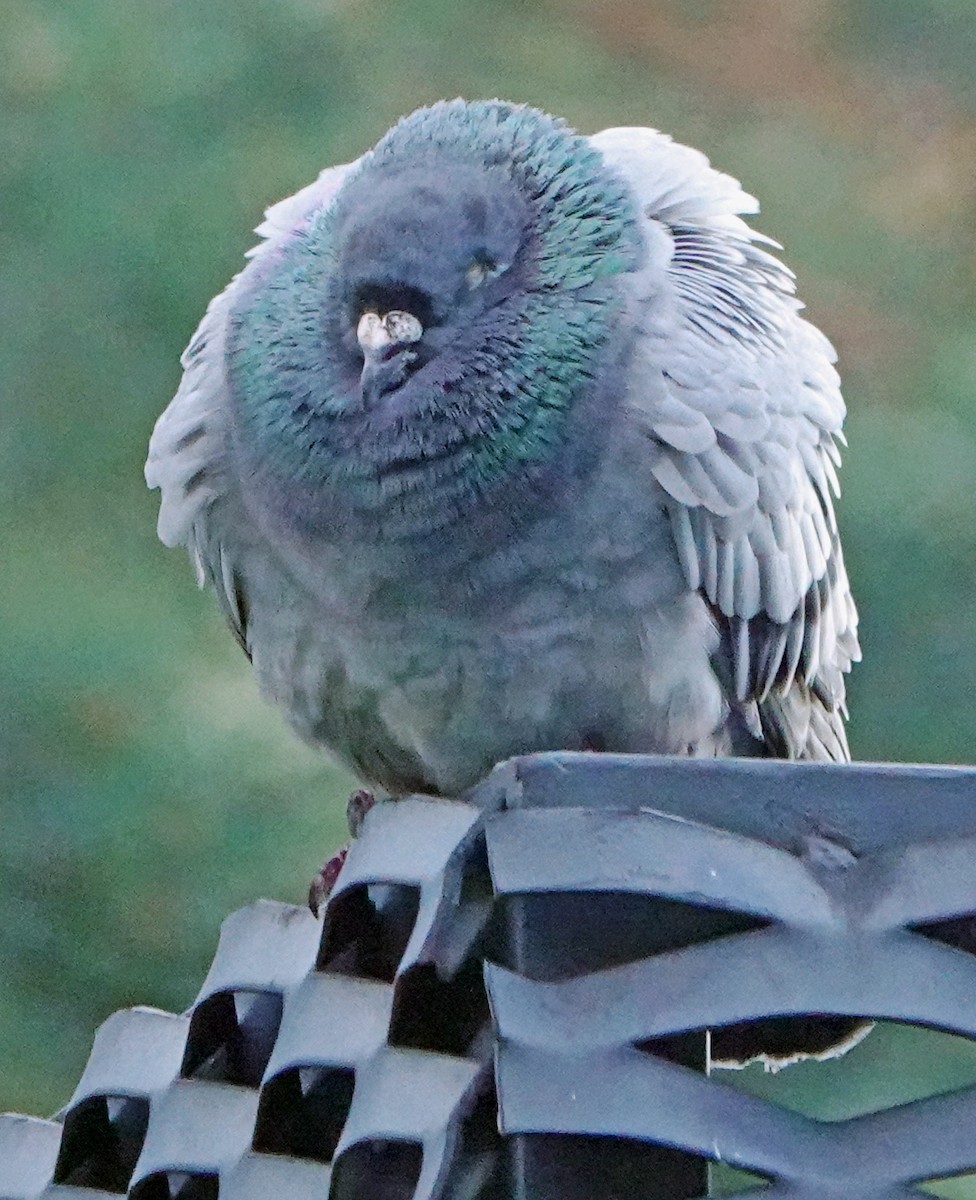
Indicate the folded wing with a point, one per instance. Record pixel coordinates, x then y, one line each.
743 412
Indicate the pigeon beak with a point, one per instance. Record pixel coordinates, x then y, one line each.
384 341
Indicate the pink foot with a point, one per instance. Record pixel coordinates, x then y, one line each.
324 880
358 805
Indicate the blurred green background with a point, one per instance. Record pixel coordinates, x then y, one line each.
146 791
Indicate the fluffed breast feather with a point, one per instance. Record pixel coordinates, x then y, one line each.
743 412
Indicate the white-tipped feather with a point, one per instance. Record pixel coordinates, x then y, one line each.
729 340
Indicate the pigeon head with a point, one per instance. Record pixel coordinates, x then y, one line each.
428 340
421 259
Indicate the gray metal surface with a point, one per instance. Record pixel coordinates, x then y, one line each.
609 910
851 888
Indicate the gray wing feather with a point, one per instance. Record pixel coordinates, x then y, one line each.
742 405
189 452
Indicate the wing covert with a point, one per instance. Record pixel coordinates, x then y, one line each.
742 406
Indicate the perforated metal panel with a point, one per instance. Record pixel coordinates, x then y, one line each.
338 1060
746 890
610 910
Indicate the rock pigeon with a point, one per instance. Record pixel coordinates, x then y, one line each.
510 439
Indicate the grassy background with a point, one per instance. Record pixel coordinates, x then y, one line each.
145 790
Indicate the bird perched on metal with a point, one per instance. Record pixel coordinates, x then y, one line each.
510 439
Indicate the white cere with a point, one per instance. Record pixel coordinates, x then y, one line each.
395 328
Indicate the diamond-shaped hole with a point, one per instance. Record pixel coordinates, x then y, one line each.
782 1038
776 1040
382 1169
893 1065
102 1139
958 932
955 1187
558 935
367 929
476 895
475 1171
688 1049
724 1180
773 1039
302 1112
442 1005
177 1185
589 1167
231 1037
444 1015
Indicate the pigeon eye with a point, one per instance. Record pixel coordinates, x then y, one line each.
482 268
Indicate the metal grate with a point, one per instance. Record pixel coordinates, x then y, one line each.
610 909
